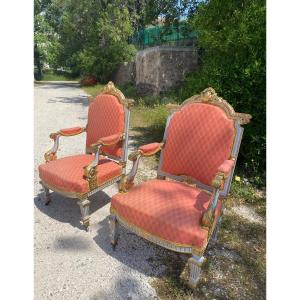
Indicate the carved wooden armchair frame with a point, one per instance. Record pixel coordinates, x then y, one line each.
90 172
219 188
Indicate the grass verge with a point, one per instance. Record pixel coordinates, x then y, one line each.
49 75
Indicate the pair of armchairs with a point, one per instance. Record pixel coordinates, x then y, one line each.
179 210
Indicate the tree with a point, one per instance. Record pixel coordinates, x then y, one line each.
94 37
232 39
45 37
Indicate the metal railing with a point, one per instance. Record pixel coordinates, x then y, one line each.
164 35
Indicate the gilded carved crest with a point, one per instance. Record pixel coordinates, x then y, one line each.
210 96
112 90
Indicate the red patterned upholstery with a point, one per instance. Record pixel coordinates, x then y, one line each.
111 140
166 209
66 173
199 139
106 117
71 131
150 149
226 166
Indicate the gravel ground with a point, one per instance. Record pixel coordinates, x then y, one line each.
71 263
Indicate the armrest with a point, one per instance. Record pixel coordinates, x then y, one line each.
71 131
223 172
51 154
90 172
226 167
67 132
145 150
150 149
108 140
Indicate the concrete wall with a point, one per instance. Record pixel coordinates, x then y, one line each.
158 69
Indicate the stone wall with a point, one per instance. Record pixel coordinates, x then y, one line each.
158 69
125 73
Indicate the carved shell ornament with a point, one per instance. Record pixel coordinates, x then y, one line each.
110 89
210 96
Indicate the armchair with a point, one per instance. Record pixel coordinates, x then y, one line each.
181 209
80 176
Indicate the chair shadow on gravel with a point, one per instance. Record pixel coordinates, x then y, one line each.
133 251
66 210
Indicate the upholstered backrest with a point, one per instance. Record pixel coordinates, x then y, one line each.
199 138
106 117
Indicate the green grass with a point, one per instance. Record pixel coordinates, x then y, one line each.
93 90
49 75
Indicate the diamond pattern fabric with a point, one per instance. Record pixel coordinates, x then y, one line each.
105 118
166 209
149 148
199 140
66 174
71 131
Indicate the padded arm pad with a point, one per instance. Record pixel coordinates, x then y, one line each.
108 140
150 149
71 131
226 167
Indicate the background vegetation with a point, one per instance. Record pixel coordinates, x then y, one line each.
91 38
231 37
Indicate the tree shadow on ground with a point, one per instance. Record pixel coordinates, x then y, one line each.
80 100
56 86
124 287
71 243
66 210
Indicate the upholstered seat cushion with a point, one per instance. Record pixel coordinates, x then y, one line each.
66 173
166 209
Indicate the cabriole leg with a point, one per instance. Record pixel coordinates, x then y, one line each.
84 205
47 195
195 263
114 232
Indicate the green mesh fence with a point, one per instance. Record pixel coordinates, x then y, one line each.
159 35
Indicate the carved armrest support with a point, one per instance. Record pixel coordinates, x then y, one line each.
51 154
146 150
90 171
224 171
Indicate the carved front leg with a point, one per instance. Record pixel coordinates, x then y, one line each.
195 263
84 205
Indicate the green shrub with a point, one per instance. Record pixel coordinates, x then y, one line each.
231 36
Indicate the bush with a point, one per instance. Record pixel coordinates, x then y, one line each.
231 37
94 37
88 80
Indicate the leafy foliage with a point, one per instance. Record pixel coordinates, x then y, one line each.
46 45
87 37
231 39
93 36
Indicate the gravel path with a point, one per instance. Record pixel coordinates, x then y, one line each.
71 263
